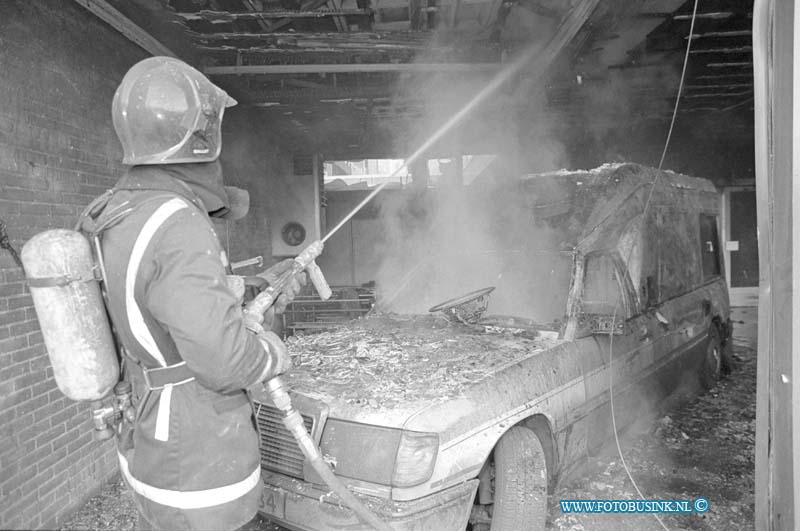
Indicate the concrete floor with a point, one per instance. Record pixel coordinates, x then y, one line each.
745 326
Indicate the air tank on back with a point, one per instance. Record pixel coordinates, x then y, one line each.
66 294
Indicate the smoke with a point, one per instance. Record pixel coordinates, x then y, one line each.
513 122
443 243
611 114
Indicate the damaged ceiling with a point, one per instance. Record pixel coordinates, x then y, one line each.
374 76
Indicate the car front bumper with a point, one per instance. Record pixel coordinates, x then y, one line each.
305 507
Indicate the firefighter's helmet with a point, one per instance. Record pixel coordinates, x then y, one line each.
166 112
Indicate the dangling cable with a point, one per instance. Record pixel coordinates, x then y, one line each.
627 260
614 420
680 85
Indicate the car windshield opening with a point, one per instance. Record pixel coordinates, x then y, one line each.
529 284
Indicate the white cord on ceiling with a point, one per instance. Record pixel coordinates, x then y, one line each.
680 85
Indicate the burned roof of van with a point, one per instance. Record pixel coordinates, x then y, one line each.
578 202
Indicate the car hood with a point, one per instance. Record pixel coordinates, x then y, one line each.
384 369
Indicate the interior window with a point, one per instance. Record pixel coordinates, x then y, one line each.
630 249
678 259
601 288
709 247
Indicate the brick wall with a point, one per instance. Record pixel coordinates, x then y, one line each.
60 66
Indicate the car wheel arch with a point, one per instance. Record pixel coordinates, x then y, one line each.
539 426
542 427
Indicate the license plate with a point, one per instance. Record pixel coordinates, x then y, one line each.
273 502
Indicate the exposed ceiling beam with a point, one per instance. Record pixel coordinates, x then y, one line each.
718 86
261 21
263 39
303 83
544 11
223 17
350 68
494 13
453 18
630 34
339 21
718 95
748 75
304 6
738 49
728 64
717 15
737 105
732 33
380 96
124 25
310 43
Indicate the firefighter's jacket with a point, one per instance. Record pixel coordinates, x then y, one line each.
195 460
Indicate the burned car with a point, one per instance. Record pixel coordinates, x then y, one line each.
464 419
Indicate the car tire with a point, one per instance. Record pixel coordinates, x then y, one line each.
728 361
520 488
711 370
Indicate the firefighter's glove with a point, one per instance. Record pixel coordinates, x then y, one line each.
278 359
292 287
239 284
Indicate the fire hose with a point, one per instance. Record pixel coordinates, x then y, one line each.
294 423
279 395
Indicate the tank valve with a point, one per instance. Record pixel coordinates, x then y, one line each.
106 419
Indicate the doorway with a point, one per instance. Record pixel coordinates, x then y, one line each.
741 244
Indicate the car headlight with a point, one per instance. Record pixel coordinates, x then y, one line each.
386 456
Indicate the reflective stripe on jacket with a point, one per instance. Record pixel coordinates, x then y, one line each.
195 460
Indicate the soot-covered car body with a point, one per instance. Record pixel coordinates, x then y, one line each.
440 424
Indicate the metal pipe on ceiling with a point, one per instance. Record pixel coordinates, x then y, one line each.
350 68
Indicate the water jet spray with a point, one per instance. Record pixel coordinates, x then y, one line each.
537 61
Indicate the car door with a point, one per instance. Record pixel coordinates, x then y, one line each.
618 343
688 255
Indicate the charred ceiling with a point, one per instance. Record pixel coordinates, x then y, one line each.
370 76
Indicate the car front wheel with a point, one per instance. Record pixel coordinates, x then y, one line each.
518 485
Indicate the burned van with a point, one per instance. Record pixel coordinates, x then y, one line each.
464 417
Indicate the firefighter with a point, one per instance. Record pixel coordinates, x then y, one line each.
192 458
